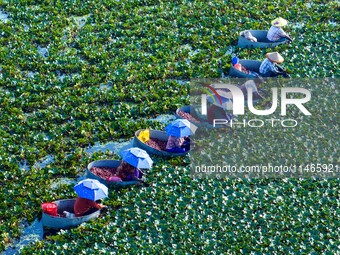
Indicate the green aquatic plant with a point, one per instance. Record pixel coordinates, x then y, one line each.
114 65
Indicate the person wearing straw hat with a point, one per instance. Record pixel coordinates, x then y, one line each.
269 67
276 33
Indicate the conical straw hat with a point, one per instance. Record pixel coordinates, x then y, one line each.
279 22
275 57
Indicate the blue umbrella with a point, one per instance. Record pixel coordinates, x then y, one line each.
91 189
180 128
137 157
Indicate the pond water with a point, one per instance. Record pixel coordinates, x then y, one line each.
44 162
230 50
4 16
61 77
298 24
181 82
43 51
164 118
31 233
26 27
115 147
62 181
105 86
332 23
31 74
23 165
80 20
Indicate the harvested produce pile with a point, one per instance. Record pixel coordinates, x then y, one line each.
103 172
156 144
188 116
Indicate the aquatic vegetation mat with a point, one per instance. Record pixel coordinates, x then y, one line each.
75 74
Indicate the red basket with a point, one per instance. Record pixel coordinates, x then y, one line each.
50 208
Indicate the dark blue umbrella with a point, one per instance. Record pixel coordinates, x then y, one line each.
180 128
137 157
91 189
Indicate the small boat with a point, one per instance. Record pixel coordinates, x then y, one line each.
58 222
203 119
251 65
262 41
111 164
192 115
156 134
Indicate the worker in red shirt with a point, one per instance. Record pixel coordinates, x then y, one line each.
84 206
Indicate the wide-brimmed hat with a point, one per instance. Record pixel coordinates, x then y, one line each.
275 57
279 22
